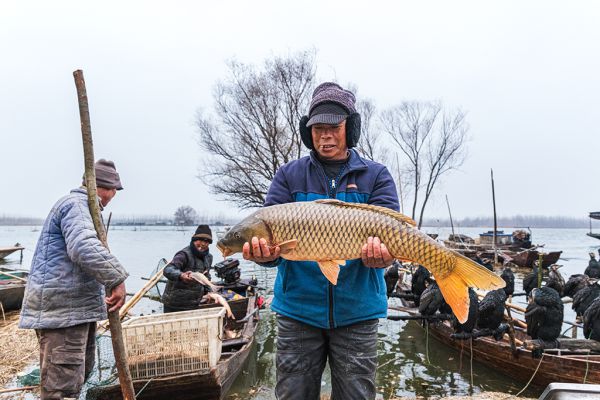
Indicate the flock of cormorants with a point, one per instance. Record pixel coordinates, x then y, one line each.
544 312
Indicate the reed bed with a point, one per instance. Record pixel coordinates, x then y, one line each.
18 347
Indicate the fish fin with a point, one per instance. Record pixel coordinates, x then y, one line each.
383 210
330 269
455 286
288 246
340 262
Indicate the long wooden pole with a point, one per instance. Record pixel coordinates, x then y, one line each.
495 220
450 214
90 179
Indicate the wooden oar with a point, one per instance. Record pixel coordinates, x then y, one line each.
13 276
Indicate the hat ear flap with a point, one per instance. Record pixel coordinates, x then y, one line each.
305 133
352 129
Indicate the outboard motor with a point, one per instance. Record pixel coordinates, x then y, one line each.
228 270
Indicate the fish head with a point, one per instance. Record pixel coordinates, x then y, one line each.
233 241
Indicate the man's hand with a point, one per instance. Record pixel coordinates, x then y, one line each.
186 277
258 251
117 297
375 254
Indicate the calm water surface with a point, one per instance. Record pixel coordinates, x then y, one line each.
409 363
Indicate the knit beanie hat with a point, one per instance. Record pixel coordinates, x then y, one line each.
330 104
107 176
203 232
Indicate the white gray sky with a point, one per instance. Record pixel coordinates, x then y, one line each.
526 72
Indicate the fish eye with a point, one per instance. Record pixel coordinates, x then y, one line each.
237 235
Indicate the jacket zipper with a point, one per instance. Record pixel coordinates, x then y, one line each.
332 189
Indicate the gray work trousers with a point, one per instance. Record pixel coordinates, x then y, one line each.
66 359
303 350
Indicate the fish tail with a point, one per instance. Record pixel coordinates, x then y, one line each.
455 286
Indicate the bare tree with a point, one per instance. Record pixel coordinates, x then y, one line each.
185 215
371 144
256 127
433 142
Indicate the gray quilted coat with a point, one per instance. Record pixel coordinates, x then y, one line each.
69 270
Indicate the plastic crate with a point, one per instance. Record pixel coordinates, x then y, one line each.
173 343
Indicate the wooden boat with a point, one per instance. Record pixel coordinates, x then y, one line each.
525 259
210 384
5 251
594 215
12 289
520 365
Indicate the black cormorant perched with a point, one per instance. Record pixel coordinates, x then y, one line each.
391 276
585 297
555 280
544 314
420 279
591 320
593 268
432 300
530 281
508 277
491 310
465 330
575 284
484 262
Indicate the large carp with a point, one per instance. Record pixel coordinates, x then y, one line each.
331 231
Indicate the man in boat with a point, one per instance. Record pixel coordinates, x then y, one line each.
316 320
183 292
65 293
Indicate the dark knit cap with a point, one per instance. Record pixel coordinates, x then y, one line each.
330 104
107 176
203 232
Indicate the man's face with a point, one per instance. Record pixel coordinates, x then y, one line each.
201 244
106 195
330 141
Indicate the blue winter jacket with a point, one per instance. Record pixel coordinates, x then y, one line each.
301 291
69 270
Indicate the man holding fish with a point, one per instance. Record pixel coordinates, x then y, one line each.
317 320
331 209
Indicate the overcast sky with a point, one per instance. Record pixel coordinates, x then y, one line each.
527 73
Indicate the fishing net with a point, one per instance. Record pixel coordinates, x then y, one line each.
158 289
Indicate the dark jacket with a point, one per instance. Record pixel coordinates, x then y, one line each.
301 291
69 270
178 294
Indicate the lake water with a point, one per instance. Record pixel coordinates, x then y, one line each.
404 350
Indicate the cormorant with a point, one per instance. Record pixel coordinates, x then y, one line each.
509 278
575 284
420 279
530 281
484 262
591 320
463 331
391 276
491 310
555 280
432 300
593 268
544 314
585 297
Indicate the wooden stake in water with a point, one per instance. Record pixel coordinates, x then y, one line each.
90 181
540 261
495 220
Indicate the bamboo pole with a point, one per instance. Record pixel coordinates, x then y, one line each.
18 389
90 179
495 219
449 213
540 269
13 276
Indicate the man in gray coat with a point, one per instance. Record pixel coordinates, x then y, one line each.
65 294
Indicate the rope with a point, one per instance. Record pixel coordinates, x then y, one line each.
587 366
471 361
532 376
427 341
